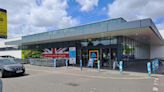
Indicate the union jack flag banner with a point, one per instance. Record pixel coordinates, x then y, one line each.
61 50
56 53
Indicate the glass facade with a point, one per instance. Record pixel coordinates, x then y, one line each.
107 49
133 49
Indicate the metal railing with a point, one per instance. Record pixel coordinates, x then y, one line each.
46 62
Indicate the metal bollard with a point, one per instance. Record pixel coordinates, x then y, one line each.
98 65
121 66
81 65
55 63
149 69
66 63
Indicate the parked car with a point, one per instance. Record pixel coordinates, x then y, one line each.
7 56
9 67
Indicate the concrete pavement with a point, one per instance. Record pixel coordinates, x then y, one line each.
48 79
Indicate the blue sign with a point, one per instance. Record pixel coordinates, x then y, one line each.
155 65
93 55
72 55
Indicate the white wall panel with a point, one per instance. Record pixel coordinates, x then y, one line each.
14 53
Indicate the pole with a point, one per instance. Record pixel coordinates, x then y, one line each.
66 63
98 65
121 66
81 65
149 69
55 63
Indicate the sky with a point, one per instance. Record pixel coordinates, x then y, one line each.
27 17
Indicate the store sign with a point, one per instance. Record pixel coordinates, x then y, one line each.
94 54
3 23
72 55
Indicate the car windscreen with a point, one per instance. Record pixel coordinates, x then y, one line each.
7 61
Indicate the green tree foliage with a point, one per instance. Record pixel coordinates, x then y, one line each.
31 54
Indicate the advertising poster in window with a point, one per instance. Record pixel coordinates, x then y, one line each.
72 55
57 53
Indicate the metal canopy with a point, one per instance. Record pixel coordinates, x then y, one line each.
141 30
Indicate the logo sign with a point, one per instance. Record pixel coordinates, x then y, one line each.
3 23
94 54
72 55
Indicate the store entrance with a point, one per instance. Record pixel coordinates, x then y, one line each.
109 55
105 55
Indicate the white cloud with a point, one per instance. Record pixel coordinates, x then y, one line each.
160 26
24 29
162 33
87 5
33 16
136 9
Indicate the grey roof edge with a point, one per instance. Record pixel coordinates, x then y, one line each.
140 23
156 30
151 25
95 22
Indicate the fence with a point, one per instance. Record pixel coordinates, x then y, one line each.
46 62
22 61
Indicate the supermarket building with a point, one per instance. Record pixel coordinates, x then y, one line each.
114 39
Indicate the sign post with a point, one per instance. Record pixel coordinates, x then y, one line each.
149 69
121 66
98 65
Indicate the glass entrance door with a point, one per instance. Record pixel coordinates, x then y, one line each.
109 55
106 57
84 56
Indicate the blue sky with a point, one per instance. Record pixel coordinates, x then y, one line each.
97 14
27 17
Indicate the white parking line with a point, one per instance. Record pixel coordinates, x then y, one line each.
156 83
155 89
